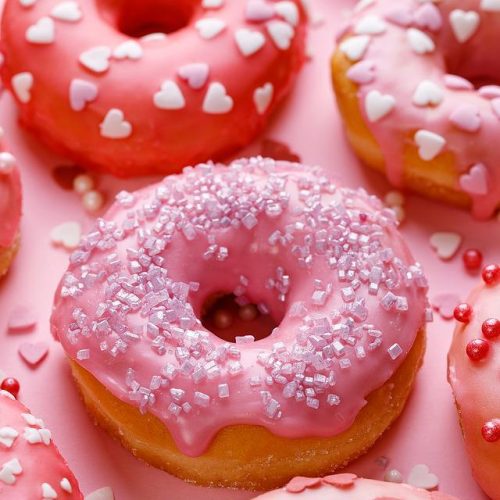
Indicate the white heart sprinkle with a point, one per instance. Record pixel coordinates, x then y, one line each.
27 3
216 100
68 11
128 50
370 25
66 485
288 11
169 97
421 477
42 32
7 436
48 493
249 42
464 24
101 494
262 97
10 470
7 162
281 33
419 41
429 144
22 83
490 5
428 93
67 234
355 47
210 27
154 37
378 105
212 4
96 59
115 126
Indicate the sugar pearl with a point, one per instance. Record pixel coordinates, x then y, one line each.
10 385
491 328
491 274
92 201
399 212
83 184
473 259
248 312
223 319
393 476
463 313
477 349
491 430
394 199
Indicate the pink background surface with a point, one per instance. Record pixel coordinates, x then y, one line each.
428 431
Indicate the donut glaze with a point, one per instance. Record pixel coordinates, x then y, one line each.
425 75
133 106
326 261
476 390
349 486
31 466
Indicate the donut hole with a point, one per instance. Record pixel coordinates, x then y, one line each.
138 18
229 317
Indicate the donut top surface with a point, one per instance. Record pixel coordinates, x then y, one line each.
427 74
349 486
92 79
327 262
30 464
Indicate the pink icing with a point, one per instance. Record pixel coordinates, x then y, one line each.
326 261
476 389
131 106
30 464
460 37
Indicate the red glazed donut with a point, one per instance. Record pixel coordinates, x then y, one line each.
91 86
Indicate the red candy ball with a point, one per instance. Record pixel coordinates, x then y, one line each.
10 385
473 259
463 313
491 328
491 274
491 430
477 349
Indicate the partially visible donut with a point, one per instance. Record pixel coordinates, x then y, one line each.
31 466
91 86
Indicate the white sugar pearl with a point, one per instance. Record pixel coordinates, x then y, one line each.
7 162
223 319
92 201
393 476
248 312
83 184
400 213
394 199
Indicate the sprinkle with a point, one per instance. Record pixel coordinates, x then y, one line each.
393 476
421 477
445 244
464 24
395 351
419 42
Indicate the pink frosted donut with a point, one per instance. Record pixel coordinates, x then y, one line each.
350 487
473 363
98 81
327 262
31 466
416 82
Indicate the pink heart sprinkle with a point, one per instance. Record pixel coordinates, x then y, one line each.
489 91
81 93
258 10
401 17
428 17
476 181
495 106
445 304
33 353
362 72
466 117
340 480
195 74
21 318
455 82
299 484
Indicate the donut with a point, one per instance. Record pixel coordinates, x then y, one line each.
324 262
10 207
414 83
349 486
473 362
31 466
101 82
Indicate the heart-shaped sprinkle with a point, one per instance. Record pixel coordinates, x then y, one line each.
209 28
281 33
27 3
33 353
429 144
154 37
475 182
258 11
7 436
249 42
400 17
345 480
22 83
490 5
216 101
464 24
67 234
101 494
212 4
21 318
355 47
428 93
42 32
378 105
455 82
196 74
300 484
495 106
421 477
362 72
128 50
420 42
262 97
7 163
370 25
445 244
115 126
466 117
68 11
81 92
66 485
169 97
445 304
96 59
428 16
288 11
489 91
278 151
48 493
